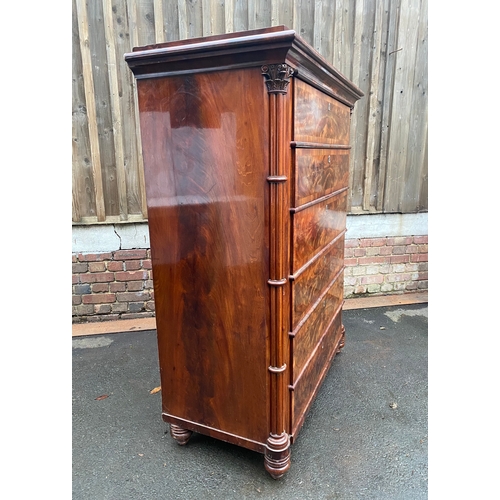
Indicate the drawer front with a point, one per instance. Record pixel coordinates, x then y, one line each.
316 226
319 117
314 324
310 284
319 172
305 390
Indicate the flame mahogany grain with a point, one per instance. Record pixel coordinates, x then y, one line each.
320 172
245 141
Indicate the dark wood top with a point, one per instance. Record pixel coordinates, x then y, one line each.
278 44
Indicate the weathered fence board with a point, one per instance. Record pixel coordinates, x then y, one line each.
381 45
83 179
417 138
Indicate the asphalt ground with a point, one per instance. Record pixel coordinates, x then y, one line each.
365 437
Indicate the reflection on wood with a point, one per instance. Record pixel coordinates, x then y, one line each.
316 226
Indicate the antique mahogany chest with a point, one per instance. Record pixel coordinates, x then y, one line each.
245 142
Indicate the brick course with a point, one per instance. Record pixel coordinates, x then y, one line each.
112 285
382 266
119 285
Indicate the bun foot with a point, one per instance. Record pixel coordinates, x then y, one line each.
277 456
179 434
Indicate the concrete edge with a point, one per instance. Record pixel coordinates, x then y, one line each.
111 237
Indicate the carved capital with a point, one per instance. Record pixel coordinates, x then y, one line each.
277 77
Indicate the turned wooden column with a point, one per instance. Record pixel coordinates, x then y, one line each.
277 78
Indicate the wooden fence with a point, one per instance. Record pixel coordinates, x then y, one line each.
381 45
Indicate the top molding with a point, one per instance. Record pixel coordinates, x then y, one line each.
276 45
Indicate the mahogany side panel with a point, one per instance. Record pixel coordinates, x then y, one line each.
316 226
320 172
320 118
207 198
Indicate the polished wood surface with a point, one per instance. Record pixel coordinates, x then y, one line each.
316 226
207 196
319 118
308 285
246 152
313 324
319 172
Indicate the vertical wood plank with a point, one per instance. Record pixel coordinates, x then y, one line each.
296 20
251 12
275 12
376 190
88 82
241 15
391 19
357 44
159 21
373 106
183 22
348 37
318 24
424 186
401 108
132 14
357 160
327 30
170 20
132 23
206 13
109 34
194 11
338 41
417 137
126 111
217 17
284 13
83 204
103 109
229 16
145 22
259 14
307 21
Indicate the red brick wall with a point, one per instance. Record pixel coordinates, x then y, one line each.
118 285
385 266
113 285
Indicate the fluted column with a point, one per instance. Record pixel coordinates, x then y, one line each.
277 456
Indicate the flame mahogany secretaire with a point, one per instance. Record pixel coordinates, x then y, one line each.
245 140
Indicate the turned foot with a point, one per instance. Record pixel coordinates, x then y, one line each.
277 456
179 434
342 340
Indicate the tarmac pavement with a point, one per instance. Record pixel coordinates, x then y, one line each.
365 436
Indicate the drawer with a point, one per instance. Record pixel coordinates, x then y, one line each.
319 117
304 390
313 325
319 172
307 286
316 226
